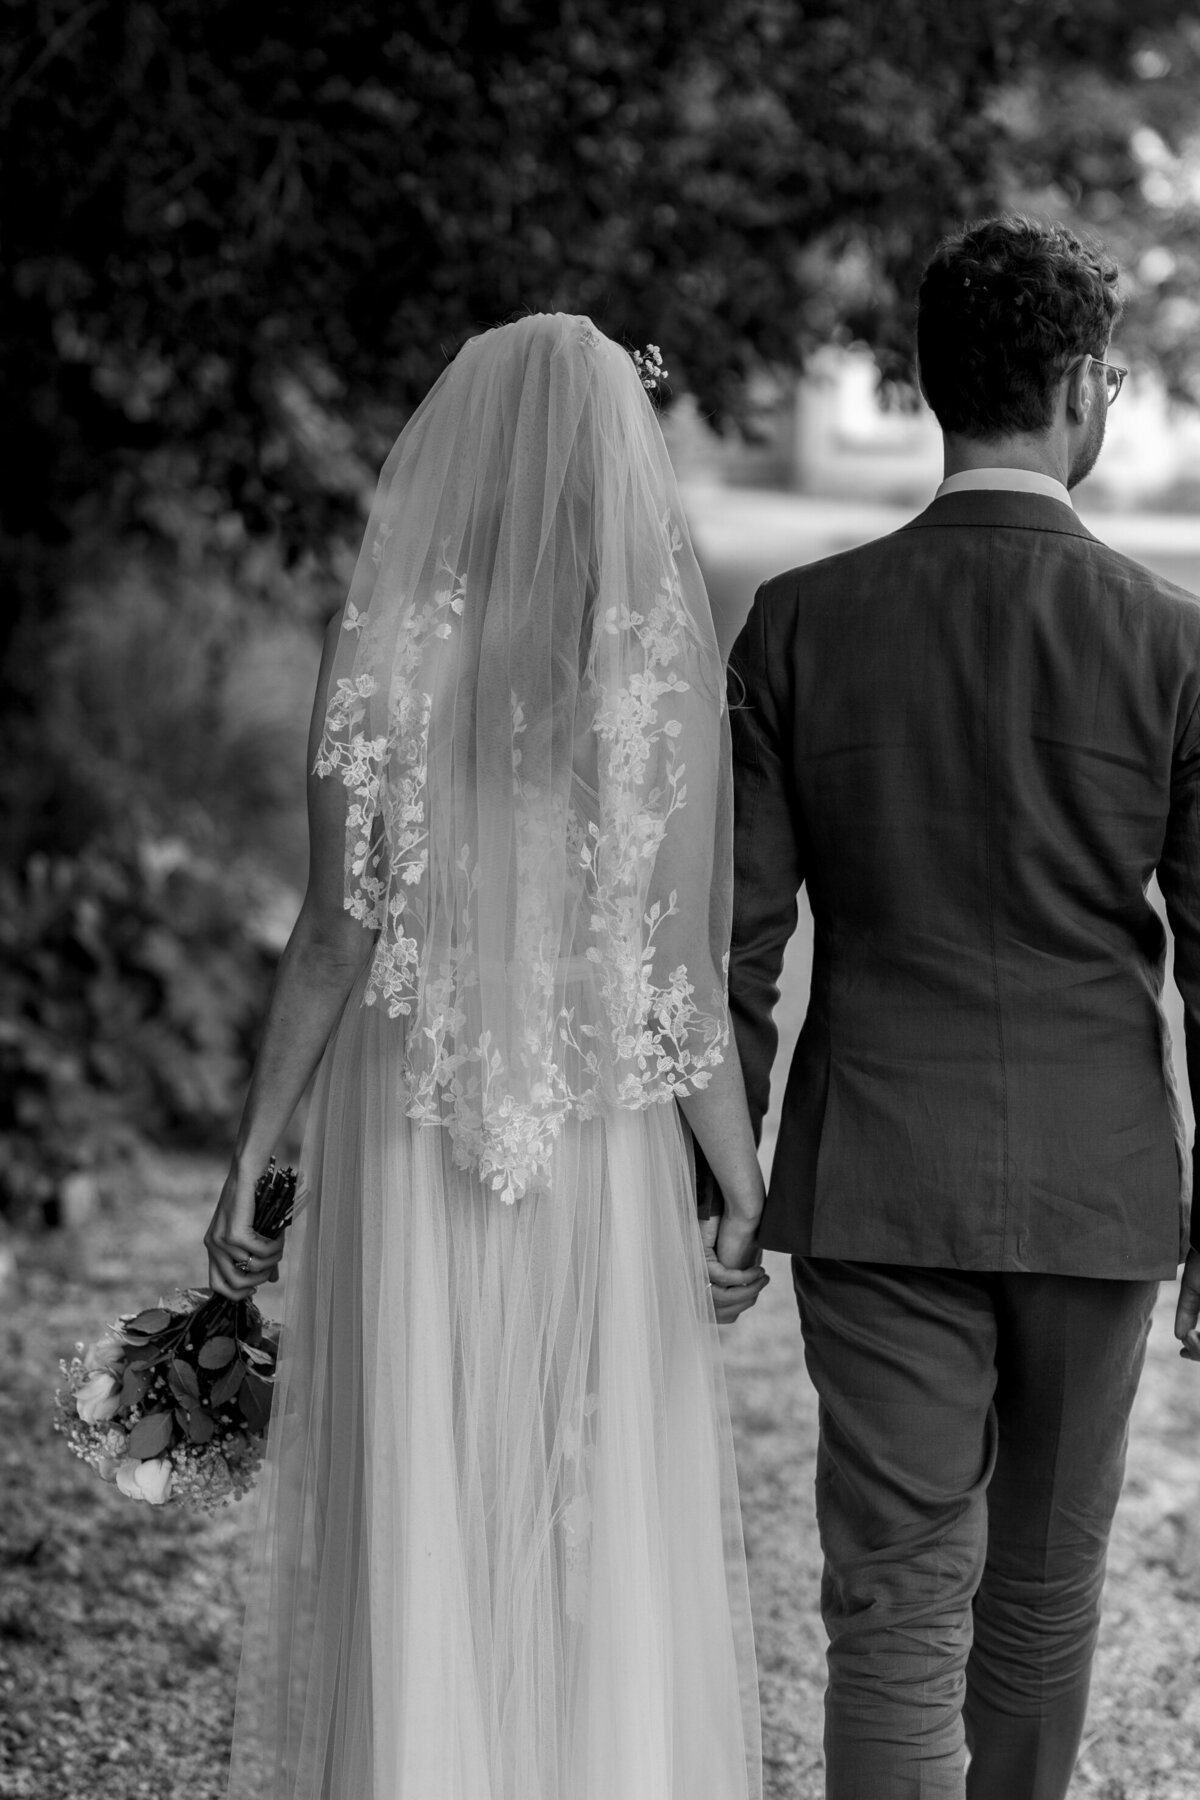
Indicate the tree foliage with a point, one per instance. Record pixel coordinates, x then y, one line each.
238 245
1117 149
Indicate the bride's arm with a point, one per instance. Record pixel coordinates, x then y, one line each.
719 1119
323 958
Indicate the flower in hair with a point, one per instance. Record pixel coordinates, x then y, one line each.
649 366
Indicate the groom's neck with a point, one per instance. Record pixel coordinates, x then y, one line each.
1044 455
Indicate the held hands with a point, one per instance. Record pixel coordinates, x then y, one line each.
239 1261
733 1263
1187 1313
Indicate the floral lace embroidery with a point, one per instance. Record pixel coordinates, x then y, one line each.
650 1023
386 827
505 1114
502 1119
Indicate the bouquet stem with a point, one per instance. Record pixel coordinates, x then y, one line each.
274 1200
274 1205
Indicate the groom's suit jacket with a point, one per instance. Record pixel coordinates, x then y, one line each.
974 742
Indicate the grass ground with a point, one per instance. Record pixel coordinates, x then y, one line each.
119 1625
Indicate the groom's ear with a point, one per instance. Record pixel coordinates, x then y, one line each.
1080 393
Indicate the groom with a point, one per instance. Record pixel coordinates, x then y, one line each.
975 741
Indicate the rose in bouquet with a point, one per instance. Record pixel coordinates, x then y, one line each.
172 1403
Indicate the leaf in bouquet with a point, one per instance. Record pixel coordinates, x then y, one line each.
162 1343
217 1352
150 1436
151 1322
183 1381
201 1426
133 1388
227 1383
260 1358
254 1399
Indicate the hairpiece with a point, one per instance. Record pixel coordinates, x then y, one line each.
649 366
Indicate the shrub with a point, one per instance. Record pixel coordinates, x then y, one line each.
133 979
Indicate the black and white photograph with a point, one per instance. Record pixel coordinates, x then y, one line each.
600 900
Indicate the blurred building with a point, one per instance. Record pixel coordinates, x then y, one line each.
830 435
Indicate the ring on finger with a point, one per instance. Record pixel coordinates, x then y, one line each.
244 1267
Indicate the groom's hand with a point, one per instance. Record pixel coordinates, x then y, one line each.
1187 1313
734 1291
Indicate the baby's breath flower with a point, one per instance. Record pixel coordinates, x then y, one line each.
649 365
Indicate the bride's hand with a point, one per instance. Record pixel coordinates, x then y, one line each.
239 1260
735 1284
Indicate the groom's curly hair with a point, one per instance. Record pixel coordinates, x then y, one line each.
1004 309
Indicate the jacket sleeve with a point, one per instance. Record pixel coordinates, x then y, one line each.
1179 879
769 859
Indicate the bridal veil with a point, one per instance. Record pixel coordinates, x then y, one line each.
498 1552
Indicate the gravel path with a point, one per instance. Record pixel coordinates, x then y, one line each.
119 1625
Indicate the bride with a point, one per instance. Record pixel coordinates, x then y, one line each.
498 1553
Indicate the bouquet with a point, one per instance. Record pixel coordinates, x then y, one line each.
173 1402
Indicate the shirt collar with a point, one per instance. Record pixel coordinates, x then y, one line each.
1015 481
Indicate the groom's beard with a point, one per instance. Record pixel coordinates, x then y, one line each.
1085 457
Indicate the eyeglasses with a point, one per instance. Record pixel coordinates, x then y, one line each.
1114 377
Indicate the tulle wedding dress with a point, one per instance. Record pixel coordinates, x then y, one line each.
498 1553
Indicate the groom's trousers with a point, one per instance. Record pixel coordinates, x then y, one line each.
972 1449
